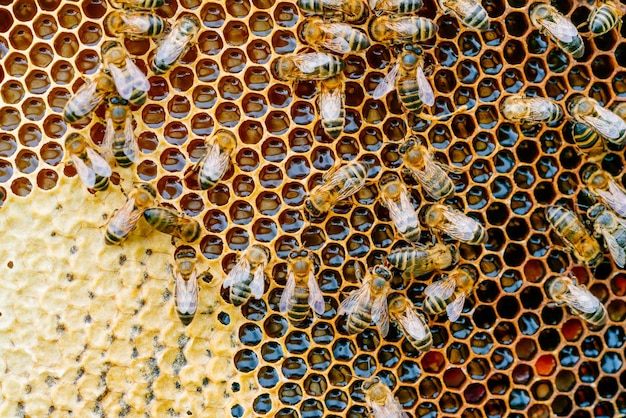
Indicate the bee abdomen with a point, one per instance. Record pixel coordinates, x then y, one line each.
240 293
409 6
102 183
120 156
358 322
113 237
138 97
206 182
421 345
597 318
477 18
602 20
434 305
185 318
408 93
333 128
585 137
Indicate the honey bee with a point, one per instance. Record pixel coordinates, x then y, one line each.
136 25
560 29
337 37
521 109
369 302
421 259
454 224
395 198
331 104
125 219
449 293
588 111
248 276
565 290
185 283
130 82
302 289
308 66
92 169
88 97
601 183
604 17
413 323
380 400
396 30
613 229
212 167
588 141
345 10
173 223
339 183
136 4
470 12
175 44
396 7
418 162
573 232
119 136
408 78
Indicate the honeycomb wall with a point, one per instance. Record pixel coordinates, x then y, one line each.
108 341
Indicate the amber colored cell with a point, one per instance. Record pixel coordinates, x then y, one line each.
12 92
21 37
6 20
16 64
51 153
6 171
259 52
210 43
9 118
433 362
233 60
21 186
66 44
90 34
454 377
147 170
47 179
181 79
230 88
256 78
545 365
236 33
26 161
8 145
169 187
211 247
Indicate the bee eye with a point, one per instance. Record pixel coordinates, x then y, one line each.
293 254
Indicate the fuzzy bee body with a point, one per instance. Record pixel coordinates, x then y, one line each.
345 10
302 290
396 30
380 400
247 278
175 44
588 140
613 229
124 221
339 183
565 290
470 12
170 222
588 111
92 169
560 29
331 105
338 37
454 224
137 4
136 24
604 18
448 294
521 109
413 323
213 165
185 284
420 260
395 198
418 161
573 232
308 66
396 7
130 82
602 184
119 136
88 97
369 303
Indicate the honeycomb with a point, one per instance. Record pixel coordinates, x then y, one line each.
101 338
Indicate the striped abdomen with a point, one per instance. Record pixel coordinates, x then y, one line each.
597 318
587 139
240 291
409 94
602 19
421 345
117 147
360 319
300 307
435 305
102 183
477 18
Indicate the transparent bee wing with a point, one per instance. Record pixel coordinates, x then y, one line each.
87 93
442 288
615 197
85 174
402 215
347 185
239 273
607 123
539 109
561 28
136 23
107 144
464 8
617 252
580 299
412 324
390 409
257 286
171 48
214 163
455 308
186 293
126 217
352 301
333 4
388 83
123 84
380 314
330 104
316 299
403 27
286 299
426 93
460 226
99 165
308 63
139 80
338 45
131 148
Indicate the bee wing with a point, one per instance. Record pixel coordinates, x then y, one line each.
338 45
403 215
215 163
99 165
316 299
614 197
426 93
131 149
412 324
123 84
561 28
607 124
442 288
139 80
380 314
387 84
257 286
330 104
126 217
350 185
580 299
373 3
186 293
459 225
286 299
351 302
171 48
88 93
455 308
239 273
107 144
390 409
85 174
403 27
617 252
309 63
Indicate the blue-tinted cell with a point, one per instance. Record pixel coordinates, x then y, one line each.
519 399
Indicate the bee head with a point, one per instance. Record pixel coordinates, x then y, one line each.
388 178
184 251
226 140
382 272
593 176
317 203
580 105
282 67
299 253
189 24
595 211
111 47
556 286
311 30
75 143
